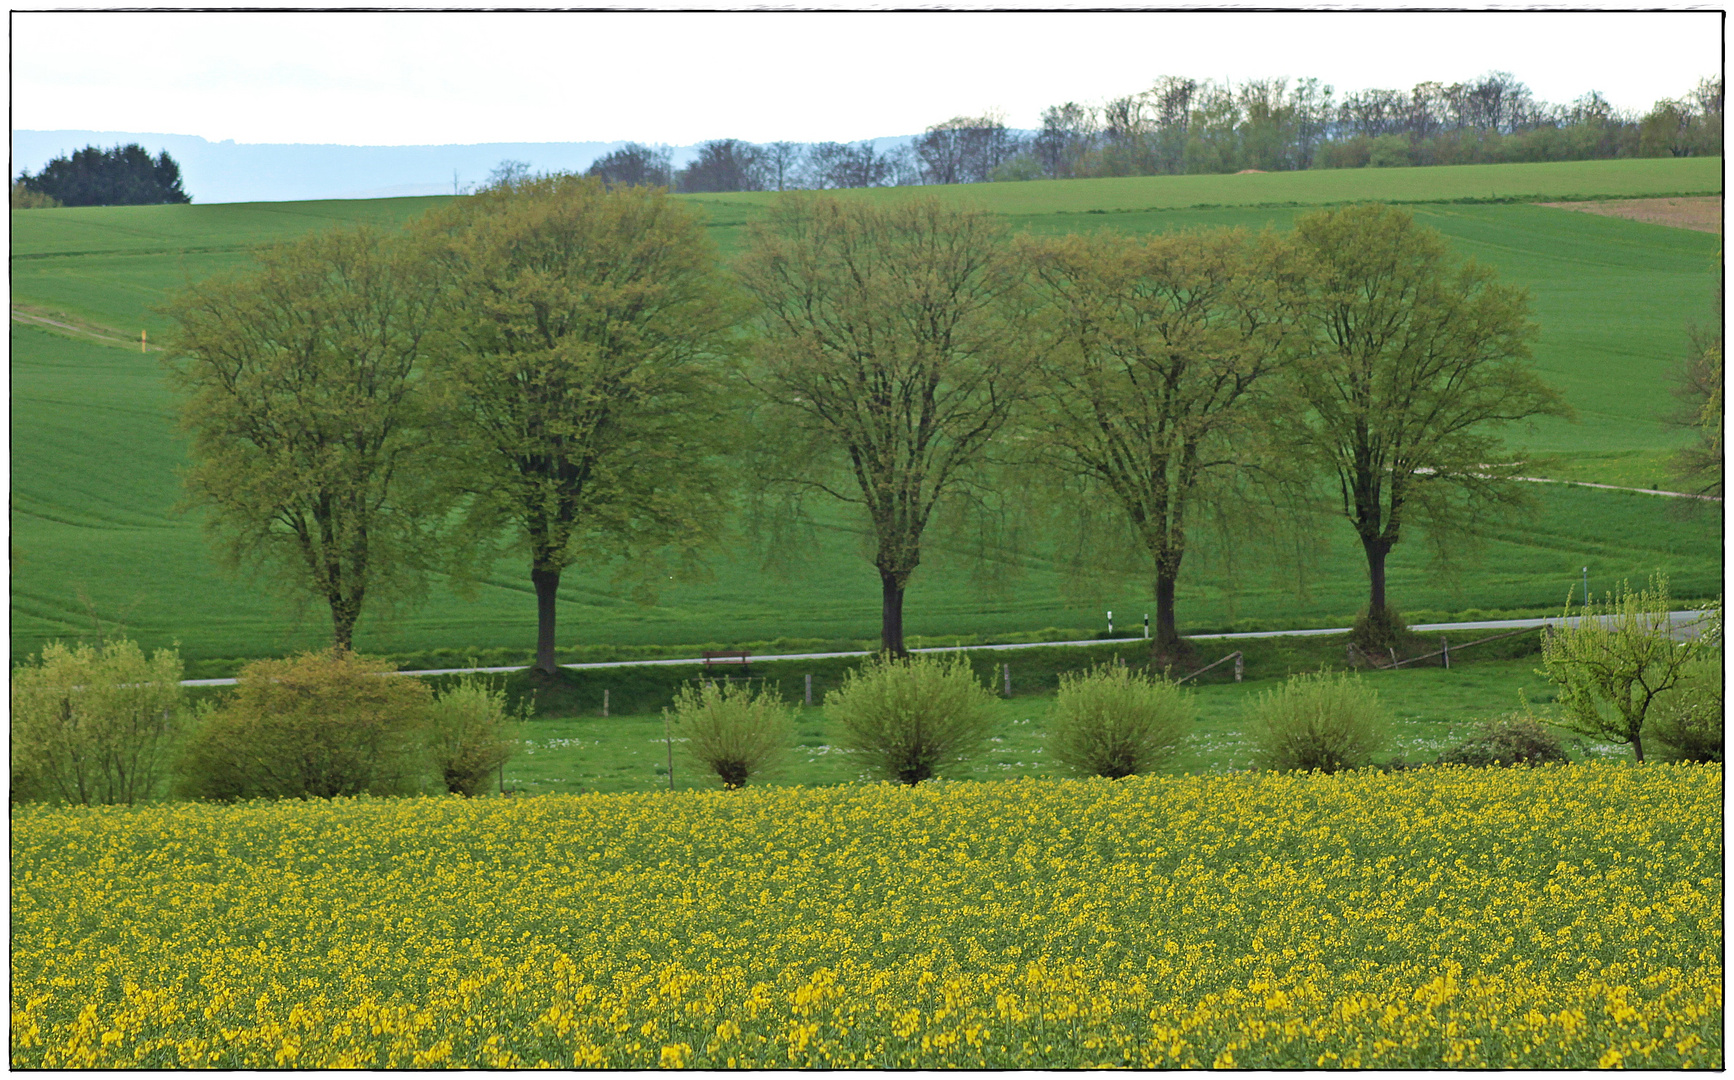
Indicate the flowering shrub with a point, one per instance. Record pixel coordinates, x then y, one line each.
1559 917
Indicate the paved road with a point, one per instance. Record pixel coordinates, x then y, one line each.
1680 619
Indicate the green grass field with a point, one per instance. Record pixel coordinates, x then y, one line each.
1431 708
94 452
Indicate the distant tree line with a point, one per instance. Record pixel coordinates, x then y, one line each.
1183 125
119 176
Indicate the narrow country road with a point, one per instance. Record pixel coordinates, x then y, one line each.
1683 621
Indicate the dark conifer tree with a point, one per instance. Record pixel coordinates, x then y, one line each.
122 176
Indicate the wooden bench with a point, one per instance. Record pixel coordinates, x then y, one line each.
726 658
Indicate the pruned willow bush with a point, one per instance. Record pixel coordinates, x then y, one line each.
472 733
910 717
733 730
1328 721
316 725
94 724
1114 722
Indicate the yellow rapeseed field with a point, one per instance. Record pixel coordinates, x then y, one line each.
1562 917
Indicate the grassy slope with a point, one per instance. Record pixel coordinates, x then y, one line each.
94 453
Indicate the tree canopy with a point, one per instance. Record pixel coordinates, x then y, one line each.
1408 363
307 419
584 339
884 351
120 176
1157 382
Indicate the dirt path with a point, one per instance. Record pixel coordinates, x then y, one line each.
104 334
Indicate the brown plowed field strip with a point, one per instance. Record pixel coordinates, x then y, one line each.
1701 212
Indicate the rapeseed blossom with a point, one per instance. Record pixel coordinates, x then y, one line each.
1567 916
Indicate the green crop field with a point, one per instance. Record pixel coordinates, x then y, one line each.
1559 180
94 453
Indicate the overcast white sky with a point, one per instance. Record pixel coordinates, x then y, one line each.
469 77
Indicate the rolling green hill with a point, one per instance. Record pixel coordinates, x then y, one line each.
94 453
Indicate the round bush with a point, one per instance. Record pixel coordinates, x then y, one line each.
470 734
1510 740
1113 722
911 717
315 725
1328 721
732 730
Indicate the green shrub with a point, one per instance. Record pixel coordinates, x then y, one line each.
1328 721
1113 722
94 724
1509 740
1621 662
25 199
471 734
1377 631
1688 718
312 726
731 729
909 718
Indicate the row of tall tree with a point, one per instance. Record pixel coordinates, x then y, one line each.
563 368
1183 125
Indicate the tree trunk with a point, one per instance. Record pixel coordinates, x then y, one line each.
1167 636
891 618
344 614
547 583
1638 747
1376 551
342 631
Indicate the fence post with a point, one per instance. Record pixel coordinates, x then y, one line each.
1239 666
1007 669
605 703
1445 651
809 689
